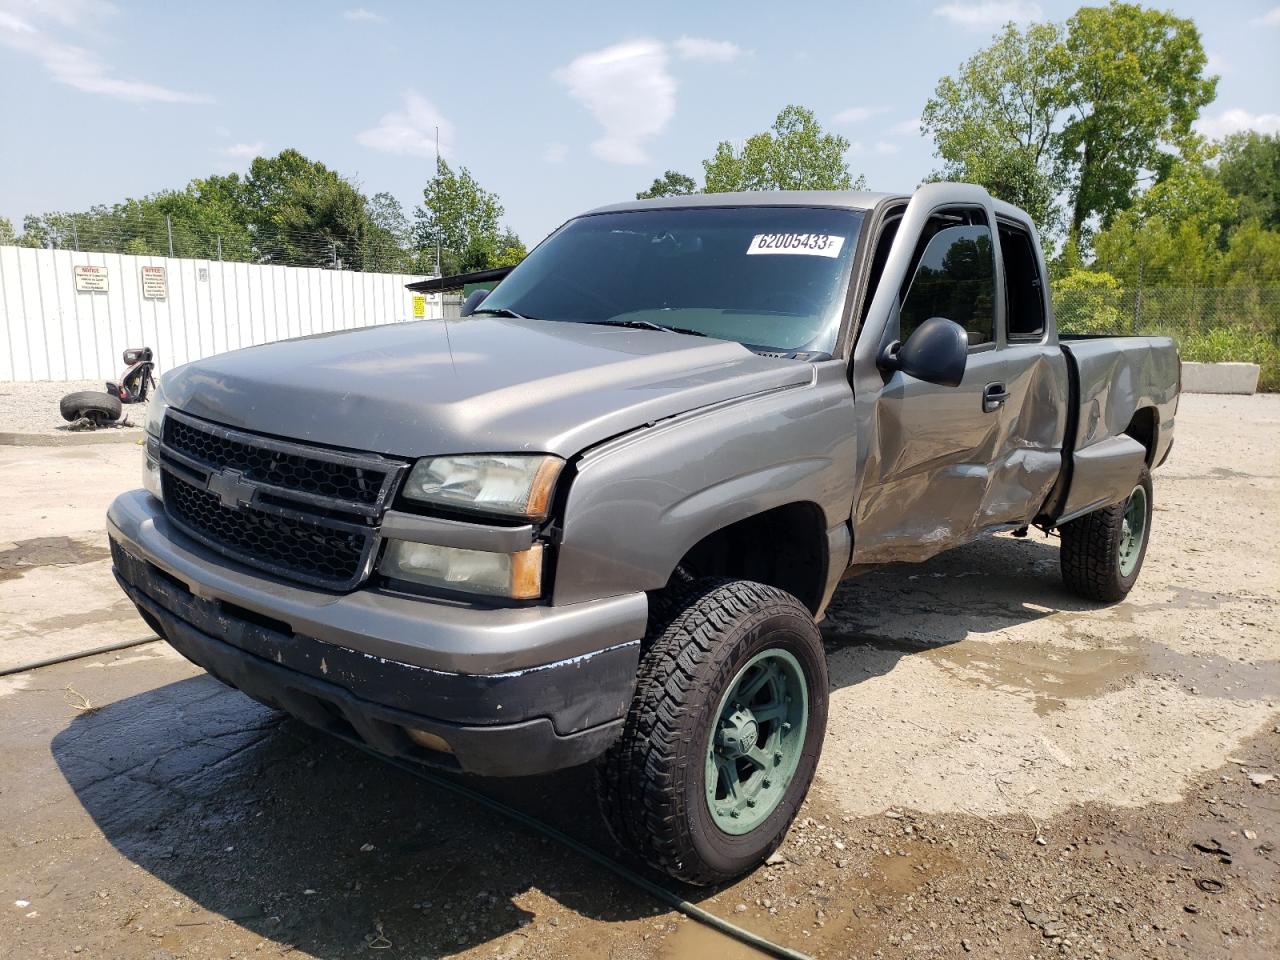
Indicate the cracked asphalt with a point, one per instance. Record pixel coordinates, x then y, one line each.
1008 771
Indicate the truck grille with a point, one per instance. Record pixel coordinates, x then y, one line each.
300 512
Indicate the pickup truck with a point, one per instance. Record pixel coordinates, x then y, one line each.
599 517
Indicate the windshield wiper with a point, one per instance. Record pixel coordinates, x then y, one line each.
503 312
648 325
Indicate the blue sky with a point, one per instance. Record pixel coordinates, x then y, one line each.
556 107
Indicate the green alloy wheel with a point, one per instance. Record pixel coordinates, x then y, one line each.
1133 531
720 744
757 742
1102 552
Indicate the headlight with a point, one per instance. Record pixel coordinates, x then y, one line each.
151 471
516 485
156 406
516 576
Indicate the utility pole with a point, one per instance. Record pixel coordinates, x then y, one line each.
168 225
219 248
75 234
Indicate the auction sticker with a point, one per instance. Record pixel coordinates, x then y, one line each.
810 244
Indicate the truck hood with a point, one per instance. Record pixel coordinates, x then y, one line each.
484 385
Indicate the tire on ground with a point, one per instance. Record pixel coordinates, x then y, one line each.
101 407
652 781
1091 547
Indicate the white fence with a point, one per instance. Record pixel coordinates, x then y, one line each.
60 321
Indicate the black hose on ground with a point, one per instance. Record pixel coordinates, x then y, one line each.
648 886
50 661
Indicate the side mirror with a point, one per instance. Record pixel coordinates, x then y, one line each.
936 352
473 301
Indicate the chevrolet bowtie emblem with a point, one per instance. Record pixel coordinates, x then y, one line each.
232 489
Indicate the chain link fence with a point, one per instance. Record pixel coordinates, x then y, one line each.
1209 324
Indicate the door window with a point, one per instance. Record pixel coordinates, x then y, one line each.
1024 287
954 278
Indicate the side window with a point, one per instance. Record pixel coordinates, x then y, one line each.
954 278
1024 286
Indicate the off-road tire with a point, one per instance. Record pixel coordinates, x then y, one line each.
1090 550
651 781
99 407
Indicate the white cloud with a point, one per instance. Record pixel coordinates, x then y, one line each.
905 128
359 14
555 153
1235 120
883 147
74 65
628 90
858 114
1269 19
707 51
244 151
410 131
989 13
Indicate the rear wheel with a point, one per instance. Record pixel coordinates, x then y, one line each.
1102 552
100 408
723 736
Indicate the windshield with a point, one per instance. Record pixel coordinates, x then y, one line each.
772 278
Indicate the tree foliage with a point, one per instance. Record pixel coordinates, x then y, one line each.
670 184
289 209
794 154
996 122
1249 168
1083 112
7 235
465 220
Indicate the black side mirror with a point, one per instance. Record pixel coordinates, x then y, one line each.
473 301
936 352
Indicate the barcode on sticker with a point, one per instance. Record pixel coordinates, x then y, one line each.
809 244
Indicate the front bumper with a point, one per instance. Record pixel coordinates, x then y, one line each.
511 691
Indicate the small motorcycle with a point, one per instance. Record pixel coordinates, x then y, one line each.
90 409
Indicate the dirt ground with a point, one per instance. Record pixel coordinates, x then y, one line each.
1008 772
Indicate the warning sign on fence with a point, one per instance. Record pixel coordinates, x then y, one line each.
91 279
154 285
419 306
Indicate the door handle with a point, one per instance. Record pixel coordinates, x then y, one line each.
993 397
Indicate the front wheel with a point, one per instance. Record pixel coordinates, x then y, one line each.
1102 552
723 735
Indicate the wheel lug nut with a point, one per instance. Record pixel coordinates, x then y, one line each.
733 814
751 803
766 783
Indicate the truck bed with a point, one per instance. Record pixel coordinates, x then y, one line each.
1124 394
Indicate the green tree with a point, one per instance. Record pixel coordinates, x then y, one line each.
1082 112
1136 85
1249 168
995 123
1172 232
1086 301
303 213
7 236
464 219
670 184
389 235
792 155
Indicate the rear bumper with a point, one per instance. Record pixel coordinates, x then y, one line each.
246 630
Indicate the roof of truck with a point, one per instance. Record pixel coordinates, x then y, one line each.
851 199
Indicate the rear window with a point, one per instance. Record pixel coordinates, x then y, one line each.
773 278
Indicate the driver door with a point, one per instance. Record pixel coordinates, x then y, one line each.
928 470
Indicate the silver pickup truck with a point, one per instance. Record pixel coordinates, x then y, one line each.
600 517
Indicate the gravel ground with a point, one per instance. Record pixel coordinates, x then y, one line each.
1008 772
32 408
